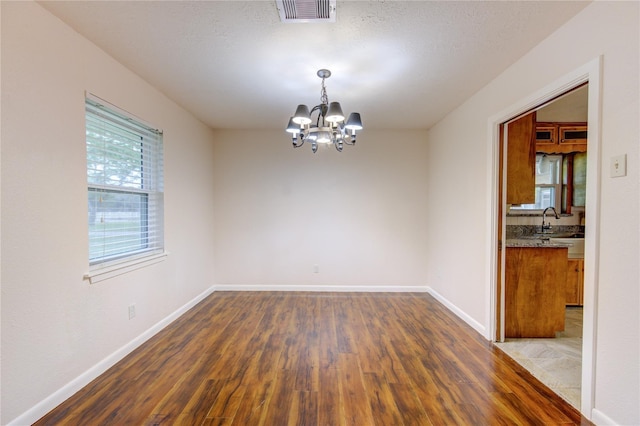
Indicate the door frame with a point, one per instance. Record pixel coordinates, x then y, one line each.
496 226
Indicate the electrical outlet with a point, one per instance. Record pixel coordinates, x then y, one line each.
316 269
132 311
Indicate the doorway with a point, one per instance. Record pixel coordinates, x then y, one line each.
590 73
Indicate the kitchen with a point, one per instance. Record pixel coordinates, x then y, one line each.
544 241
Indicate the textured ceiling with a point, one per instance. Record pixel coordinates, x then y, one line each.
233 64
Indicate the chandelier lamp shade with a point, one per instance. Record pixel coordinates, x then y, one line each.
329 126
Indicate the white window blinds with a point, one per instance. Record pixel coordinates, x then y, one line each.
125 188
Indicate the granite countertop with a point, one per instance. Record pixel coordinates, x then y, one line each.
534 242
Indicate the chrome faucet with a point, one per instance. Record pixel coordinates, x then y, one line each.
544 216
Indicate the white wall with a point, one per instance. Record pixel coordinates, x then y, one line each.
603 28
390 212
358 215
55 326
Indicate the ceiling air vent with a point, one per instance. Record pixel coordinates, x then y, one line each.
307 10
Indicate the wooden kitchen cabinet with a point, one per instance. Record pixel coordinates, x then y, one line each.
572 133
575 282
561 138
535 291
521 160
546 133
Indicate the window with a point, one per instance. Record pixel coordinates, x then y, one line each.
548 183
125 185
579 172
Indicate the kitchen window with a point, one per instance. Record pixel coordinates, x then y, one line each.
548 183
125 185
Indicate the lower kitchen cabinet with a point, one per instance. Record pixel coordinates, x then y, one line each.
535 291
575 282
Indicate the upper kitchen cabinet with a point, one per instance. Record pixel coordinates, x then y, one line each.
575 133
561 138
521 160
546 134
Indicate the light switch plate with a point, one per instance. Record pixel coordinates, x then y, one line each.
619 165
132 311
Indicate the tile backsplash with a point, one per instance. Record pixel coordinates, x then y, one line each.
523 224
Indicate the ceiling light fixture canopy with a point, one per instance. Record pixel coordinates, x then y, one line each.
329 127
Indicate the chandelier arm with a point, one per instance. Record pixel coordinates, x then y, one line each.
320 114
301 142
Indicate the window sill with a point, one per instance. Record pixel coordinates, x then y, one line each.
114 270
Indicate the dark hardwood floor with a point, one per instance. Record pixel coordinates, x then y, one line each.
273 358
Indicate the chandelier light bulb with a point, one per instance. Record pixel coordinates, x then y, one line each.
354 122
292 127
324 137
335 115
302 115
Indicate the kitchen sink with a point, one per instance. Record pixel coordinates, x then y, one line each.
576 248
559 235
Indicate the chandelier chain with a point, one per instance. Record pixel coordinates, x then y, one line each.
323 94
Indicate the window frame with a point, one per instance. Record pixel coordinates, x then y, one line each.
143 187
557 186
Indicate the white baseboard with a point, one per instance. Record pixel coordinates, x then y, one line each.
459 312
601 419
64 393
324 288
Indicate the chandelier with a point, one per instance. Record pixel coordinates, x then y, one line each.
329 127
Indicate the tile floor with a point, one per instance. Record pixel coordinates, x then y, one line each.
555 362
